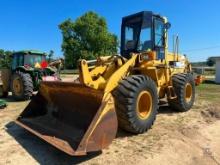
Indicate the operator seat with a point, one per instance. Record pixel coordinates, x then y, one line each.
147 45
130 45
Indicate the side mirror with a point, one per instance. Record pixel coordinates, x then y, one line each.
167 25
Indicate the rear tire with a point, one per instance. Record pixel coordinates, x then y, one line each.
21 86
136 103
184 87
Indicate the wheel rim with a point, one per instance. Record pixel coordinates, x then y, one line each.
17 87
144 105
188 92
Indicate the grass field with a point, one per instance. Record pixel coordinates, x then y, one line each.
210 92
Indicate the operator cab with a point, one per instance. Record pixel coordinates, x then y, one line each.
27 58
142 32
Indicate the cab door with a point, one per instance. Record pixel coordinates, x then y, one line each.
159 38
18 60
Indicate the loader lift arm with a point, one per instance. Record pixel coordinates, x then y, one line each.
106 76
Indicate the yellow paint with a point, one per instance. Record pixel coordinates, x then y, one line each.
144 105
188 92
108 71
119 74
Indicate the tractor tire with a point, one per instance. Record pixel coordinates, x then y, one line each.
3 94
184 87
136 103
21 86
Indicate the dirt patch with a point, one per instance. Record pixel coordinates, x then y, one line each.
190 132
211 113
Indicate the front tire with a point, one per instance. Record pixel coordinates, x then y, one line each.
136 103
21 86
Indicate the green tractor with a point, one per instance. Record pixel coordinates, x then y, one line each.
28 69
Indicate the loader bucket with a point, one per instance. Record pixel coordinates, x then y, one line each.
73 118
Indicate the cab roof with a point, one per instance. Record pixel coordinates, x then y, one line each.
142 13
140 16
30 52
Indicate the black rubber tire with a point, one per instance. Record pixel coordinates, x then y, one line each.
26 82
2 93
179 83
125 96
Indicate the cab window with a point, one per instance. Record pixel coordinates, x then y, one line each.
18 60
145 41
131 35
159 33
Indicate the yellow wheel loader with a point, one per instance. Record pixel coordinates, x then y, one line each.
123 90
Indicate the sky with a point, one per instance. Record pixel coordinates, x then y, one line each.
33 24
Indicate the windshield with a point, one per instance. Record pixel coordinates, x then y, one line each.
33 59
138 37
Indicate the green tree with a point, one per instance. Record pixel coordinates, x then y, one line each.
5 58
87 37
210 61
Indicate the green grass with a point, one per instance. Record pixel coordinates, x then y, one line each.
209 92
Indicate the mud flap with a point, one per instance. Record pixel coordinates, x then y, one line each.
74 118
